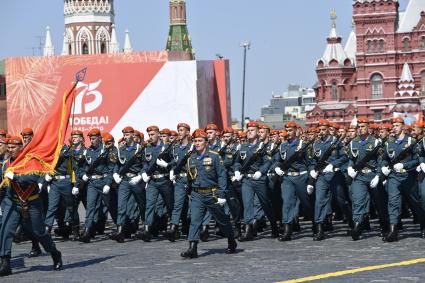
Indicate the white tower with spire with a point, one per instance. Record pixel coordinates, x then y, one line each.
127 43
114 46
49 49
406 84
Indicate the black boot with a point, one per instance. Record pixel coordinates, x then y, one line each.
173 233
57 260
287 233
238 232
296 225
356 231
75 232
255 226
218 231
328 226
86 237
275 230
320 235
247 236
192 251
392 235
5 268
118 235
146 235
205 234
35 249
231 245
366 223
49 230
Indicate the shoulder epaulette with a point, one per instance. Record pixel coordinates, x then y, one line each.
214 152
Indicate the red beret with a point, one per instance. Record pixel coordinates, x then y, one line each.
128 130
265 127
15 140
200 133
27 131
374 126
211 127
184 125
3 132
324 122
228 130
77 133
174 133
362 120
165 132
136 133
253 124
397 120
242 135
107 137
3 140
312 130
291 124
274 132
152 128
419 124
94 132
283 133
386 127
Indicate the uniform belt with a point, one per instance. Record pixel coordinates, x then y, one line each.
62 177
296 173
336 169
182 175
159 176
31 198
250 175
205 190
367 170
131 175
97 177
401 171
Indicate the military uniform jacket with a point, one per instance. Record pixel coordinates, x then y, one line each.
64 166
393 147
262 164
286 150
179 152
124 154
359 148
105 168
151 155
78 163
337 157
206 170
229 156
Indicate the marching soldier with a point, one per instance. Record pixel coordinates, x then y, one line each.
208 182
254 163
22 201
27 135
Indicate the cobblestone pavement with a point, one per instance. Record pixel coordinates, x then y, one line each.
262 260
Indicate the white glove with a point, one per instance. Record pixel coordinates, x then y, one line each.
75 191
398 167
106 189
161 163
40 187
233 178
145 177
279 171
329 169
172 176
256 176
238 176
314 174
384 182
418 168
221 201
9 175
422 166
48 178
117 178
375 181
385 170
351 172
310 189
85 178
48 188
135 180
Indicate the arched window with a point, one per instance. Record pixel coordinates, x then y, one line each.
85 49
406 44
377 86
423 83
381 45
103 48
369 46
423 42
334 91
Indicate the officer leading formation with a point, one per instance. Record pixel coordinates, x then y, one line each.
233 184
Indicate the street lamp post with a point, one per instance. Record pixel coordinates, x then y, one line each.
246 46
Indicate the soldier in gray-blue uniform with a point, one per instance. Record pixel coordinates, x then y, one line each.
324 177
98 181
128 180
3 157
365 179
401 177
155 174
294 179
29 209
253 177
178 175
208 182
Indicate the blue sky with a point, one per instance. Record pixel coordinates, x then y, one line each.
287 37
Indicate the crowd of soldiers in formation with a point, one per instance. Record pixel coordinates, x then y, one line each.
176 183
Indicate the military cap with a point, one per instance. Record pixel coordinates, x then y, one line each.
27 132
242 135
200 133
94 132
312 130
15 140
184 125
165 132
77 133
362 120
324 122
211 127
152 128
139 134
265 127
3 140
386 126
128 130
174 133
228 130
107 137
333 125
3 132
253 124
397 120
283 133
291 124
274 132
